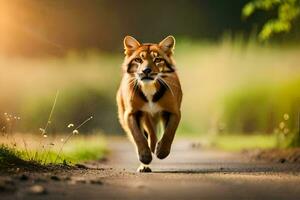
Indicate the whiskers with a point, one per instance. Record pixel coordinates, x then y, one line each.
166 84
133 82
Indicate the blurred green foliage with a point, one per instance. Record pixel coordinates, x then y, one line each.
238 142
249 109
46 27
269 108
74 105
87 85
287 12
232 86
79 149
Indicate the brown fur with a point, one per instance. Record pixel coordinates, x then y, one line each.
143 103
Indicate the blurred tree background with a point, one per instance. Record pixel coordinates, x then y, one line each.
287 13
55 27
238 61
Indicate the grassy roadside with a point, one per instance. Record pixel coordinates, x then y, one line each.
85 149
232 142
35 153
237 142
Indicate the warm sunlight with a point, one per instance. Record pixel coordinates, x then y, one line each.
149 99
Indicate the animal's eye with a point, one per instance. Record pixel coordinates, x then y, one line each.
138 60
158 60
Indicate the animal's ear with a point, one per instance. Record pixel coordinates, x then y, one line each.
130 44
168 44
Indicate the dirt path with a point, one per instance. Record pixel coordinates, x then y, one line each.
187 174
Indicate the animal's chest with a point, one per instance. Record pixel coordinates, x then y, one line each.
151 107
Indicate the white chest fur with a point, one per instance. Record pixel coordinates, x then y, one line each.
149 89
151 108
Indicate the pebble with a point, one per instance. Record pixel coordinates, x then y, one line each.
81 166
196 145
55 178
24 177
98 182
77 180
282 160
37 189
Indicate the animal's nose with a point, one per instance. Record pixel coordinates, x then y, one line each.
147 70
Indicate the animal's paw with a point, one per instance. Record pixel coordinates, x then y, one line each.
144 169
162 150
145 156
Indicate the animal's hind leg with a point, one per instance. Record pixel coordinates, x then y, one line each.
149 127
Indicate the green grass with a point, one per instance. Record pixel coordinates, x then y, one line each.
77 150
85 150
238 142
9 156
11 160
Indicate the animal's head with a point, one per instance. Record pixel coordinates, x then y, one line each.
148 62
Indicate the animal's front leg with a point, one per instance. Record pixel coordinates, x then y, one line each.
171 122
144 152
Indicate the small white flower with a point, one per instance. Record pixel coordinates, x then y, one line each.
43 131
281 125
75 132
286 116
70 125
